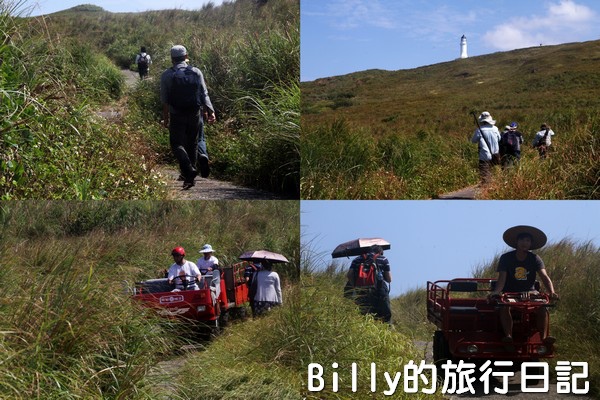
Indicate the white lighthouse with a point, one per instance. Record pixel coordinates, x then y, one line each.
463 47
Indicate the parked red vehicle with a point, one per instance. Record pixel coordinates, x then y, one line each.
468 324
197 305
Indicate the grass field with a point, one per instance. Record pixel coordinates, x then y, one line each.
405 134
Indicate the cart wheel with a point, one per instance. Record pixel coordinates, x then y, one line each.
224 318
441 349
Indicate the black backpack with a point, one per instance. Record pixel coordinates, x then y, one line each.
143 62
185 90
510 142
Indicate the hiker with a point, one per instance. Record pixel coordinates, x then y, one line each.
250 270
517 271
543 140
183 94
182 270
487 137
266 289
510 145
249 273
369 276
143 61
209 266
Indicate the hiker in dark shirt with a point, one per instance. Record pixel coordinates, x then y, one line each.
517 271
369 276
184 96
143 61
510 145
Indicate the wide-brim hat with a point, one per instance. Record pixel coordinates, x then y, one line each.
487 117
538 238
207 248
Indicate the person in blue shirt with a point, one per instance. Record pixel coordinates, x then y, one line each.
487 136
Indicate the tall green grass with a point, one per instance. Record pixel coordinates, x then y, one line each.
68 329
344 162
269 358
52 145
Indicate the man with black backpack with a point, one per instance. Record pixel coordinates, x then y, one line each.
369 276
143 61
184 96
510 145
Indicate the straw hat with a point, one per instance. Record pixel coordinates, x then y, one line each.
511 236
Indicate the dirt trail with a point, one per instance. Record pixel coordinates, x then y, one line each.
205 189
468 193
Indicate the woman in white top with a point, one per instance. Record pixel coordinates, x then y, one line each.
266 289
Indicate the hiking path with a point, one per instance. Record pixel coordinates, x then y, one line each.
205 188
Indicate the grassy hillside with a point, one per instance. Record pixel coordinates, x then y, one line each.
404 134
575 272
68 329
58 70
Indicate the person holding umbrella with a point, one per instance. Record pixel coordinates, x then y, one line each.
369 276
266 289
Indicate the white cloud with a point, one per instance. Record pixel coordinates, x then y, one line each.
351 14
562 22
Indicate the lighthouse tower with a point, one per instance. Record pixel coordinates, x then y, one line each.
463 47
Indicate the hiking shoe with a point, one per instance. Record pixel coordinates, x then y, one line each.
188 185
203 164
549 340
507 339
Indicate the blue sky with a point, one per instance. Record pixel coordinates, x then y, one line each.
344 36
39 7
439 239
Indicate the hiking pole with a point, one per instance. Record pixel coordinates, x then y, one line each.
481 132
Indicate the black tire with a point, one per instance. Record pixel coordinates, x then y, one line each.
441 349
224 318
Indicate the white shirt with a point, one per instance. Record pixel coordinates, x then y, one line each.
210 267
540 135
492 137
268 287
188 268
138 56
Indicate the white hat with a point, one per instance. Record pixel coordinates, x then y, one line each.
207 248
486 117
